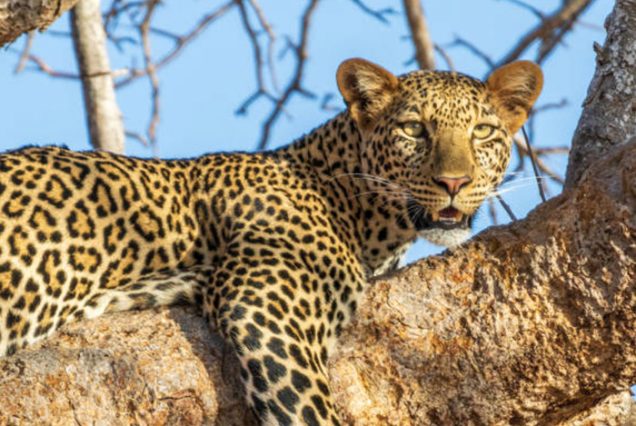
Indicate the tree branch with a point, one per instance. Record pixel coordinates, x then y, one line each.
424 50
549 31
103 117
151 72
20 16
294 85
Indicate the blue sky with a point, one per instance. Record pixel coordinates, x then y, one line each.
202 89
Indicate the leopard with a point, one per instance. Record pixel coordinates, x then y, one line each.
274 248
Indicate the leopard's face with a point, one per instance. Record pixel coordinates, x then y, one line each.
439 142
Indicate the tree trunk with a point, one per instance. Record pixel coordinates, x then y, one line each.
20 16
609 114
103 117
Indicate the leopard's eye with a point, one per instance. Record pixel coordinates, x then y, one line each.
483 131
414 129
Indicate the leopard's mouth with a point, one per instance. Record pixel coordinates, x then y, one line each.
447 218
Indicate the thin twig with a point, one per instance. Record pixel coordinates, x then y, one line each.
271 40
492 212
506 207
261 89
151 71
550 106
42 66
24 56
522 151
459 41
444 54
380 14
533 160
138 137
325 103
539 14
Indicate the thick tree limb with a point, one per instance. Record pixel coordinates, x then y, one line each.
20 16
609 114
102 112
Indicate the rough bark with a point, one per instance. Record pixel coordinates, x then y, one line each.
20 16
150 367
103 117
609 113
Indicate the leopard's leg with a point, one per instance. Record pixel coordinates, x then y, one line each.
156 289
280 311
163 288
281 369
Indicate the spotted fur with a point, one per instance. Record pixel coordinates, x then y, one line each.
275 247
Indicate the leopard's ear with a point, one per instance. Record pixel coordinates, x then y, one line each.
367 89
515 86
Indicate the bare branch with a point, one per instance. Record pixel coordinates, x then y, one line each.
424 50
444 54
380 14
522 150
262 19
506 207
138 137
325 103
42 66
24 56
102 112
180 43
533 160
539 14
151 71
47 69
261 90
459 41
549 31
492 212
294 85
550 106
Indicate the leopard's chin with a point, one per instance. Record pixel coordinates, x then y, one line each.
445 237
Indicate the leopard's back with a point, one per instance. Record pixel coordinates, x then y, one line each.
75 224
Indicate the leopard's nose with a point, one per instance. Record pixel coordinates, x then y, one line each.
452 185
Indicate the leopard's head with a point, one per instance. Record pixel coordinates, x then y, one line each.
440 142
